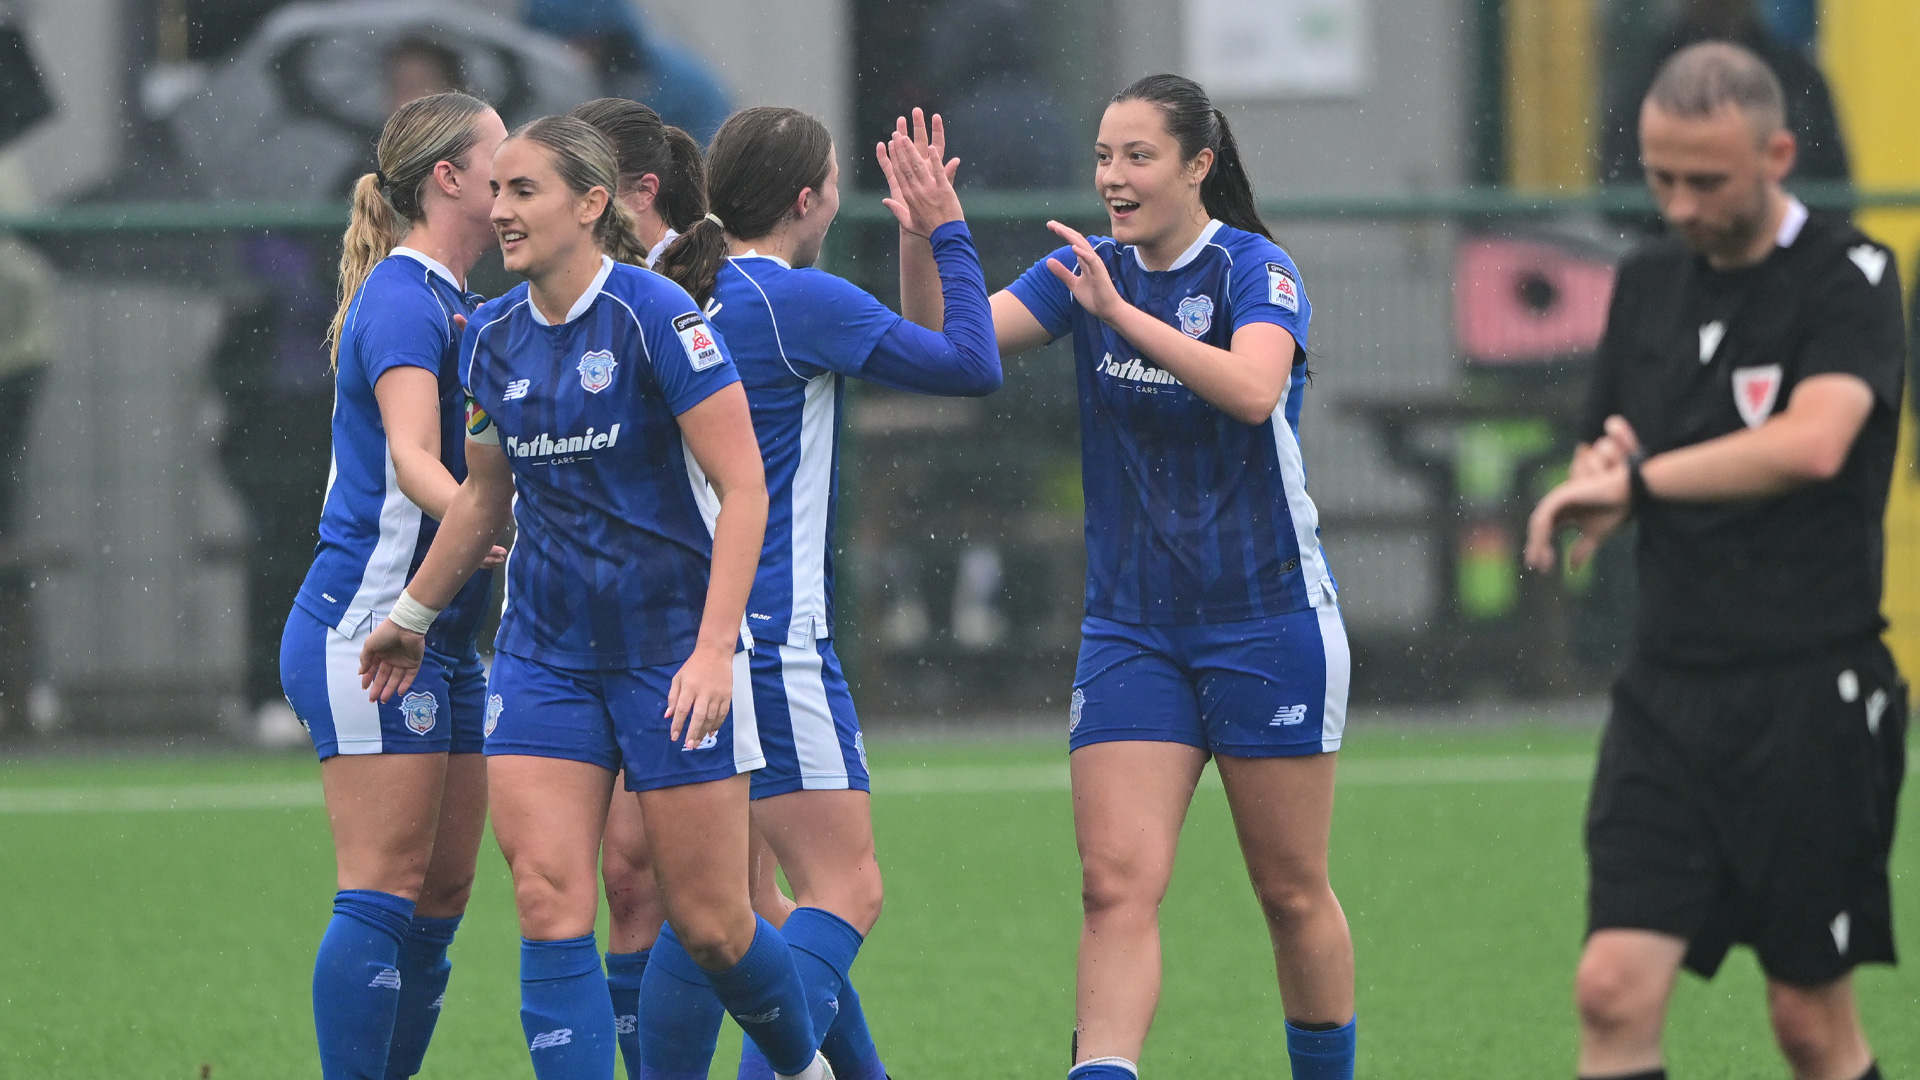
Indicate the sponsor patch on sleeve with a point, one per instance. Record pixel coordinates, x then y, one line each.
480 427
1283 289
697 338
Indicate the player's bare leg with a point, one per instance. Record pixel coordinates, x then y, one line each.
824 841
1622 987
383 809
1129 801
634 910
456 838
1818 1028
1283 813
548 814
700 864
763 881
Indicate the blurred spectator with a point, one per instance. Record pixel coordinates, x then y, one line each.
635 63
1009 124
417 67
1810 113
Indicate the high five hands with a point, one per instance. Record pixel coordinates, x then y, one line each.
919 177
1595 499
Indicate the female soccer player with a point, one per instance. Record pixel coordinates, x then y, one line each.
663 184
1212 624
607 421
405 786
796 332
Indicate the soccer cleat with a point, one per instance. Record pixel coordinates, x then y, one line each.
819 1070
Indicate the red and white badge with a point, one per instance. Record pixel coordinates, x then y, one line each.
1755 389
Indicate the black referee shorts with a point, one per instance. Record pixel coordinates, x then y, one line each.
1754 806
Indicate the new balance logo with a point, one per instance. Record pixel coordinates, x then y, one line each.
626 1025
517 389
767 1017
547 1040
439 1001
388 979
1288 716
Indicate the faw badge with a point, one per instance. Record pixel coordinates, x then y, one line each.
697 339
420 710
596 370
1196 315
1755 389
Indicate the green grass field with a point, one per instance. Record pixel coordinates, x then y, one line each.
160 916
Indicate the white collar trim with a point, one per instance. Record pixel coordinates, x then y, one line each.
1791 225
666 240
1193 251
430 263
752 254
586 300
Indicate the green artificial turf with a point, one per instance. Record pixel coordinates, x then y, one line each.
152 943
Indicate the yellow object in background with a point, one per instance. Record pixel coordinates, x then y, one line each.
1867 49
1552 94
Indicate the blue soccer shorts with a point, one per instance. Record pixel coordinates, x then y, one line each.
1271 687
616 720
442 712
808 728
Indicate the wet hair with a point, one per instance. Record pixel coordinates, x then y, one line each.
387 202
585 160
1702 79
1227 192
757 165
645 144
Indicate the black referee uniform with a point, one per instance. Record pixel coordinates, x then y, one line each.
1748 776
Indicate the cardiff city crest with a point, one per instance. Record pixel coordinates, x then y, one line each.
495 706
1196 315
421 711
596 370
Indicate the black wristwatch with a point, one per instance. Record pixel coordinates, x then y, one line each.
1638 494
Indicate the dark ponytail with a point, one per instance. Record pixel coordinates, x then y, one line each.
646 145
1227 192
757 165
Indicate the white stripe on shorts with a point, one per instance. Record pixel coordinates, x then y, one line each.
816 743
356 721
1333 641
747 755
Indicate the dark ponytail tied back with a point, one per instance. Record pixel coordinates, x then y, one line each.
1227 192
757 165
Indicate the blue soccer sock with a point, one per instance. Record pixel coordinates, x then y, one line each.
564 1009
356 983
679 1014
624 973
1106 1068
849 1045
764 994
824 948
1322 1055
423 986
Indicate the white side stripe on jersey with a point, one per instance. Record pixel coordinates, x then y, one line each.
812 490
386 572
1306 519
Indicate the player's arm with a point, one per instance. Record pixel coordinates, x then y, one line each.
409 399
1805 443
1245 382
719 432
478 512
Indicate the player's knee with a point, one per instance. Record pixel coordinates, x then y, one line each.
441 897
1289 903
1611 996
551 905
1809 1034
1115 886
715 939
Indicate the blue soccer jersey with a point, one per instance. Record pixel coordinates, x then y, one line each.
615 537
794 334
372 537
1191 516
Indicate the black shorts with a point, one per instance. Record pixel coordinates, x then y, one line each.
1754 806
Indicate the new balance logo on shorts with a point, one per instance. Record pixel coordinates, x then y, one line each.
626 1025
388 979
547 1040
1288 716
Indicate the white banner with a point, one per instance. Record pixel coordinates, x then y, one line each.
1279 48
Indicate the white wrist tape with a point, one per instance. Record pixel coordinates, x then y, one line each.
411 614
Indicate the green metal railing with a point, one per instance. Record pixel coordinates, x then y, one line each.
1078 204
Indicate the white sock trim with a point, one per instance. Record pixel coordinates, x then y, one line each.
1120 1061
816 1071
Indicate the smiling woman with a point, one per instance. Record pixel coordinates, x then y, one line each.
636 483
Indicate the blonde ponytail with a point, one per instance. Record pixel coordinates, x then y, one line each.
386 204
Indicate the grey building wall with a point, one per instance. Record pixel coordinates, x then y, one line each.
77 44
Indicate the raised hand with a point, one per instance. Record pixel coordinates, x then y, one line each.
1595 501
1092 286
914 164
389 660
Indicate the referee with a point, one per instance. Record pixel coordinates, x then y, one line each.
1744 410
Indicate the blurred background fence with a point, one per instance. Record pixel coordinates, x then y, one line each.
1449 348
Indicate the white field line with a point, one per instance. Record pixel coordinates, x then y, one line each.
897 780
